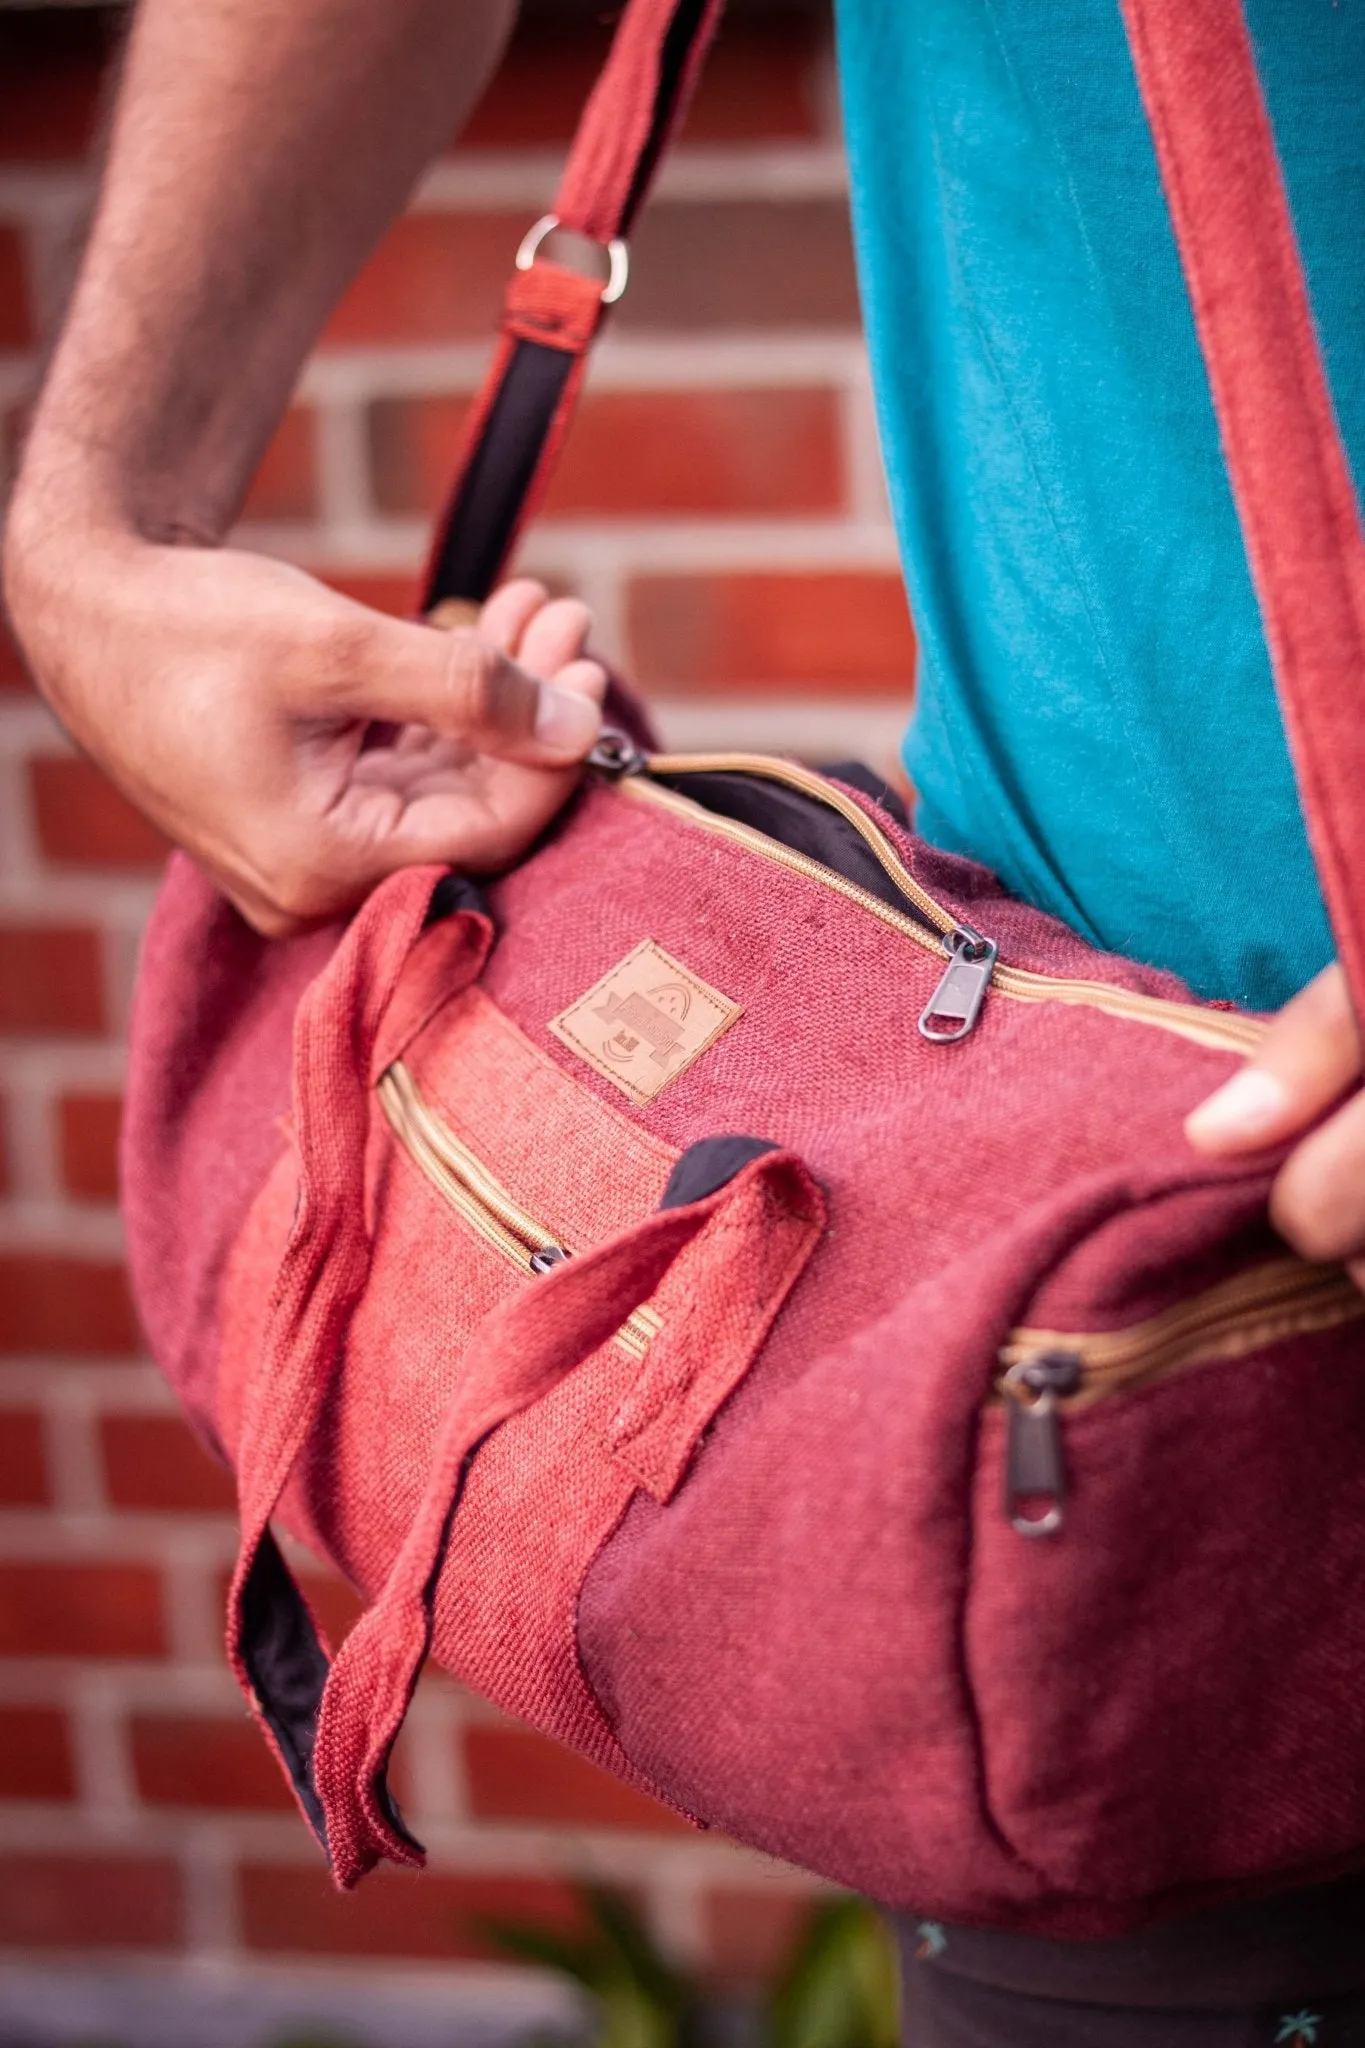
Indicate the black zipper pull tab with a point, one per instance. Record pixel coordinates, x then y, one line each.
1034 1468
616 754
955 1005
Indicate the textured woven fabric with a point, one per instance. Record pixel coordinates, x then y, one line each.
716 1497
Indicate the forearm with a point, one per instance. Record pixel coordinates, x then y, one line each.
259 148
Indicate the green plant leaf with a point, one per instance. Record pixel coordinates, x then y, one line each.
642 1963
584 1961
841 1988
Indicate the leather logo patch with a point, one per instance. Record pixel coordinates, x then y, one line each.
645 1022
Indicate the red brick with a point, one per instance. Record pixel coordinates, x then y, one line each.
757 87
751 1934
515 1774
80 1610
89 1902
23 1460
829 629
298 1911
51 979
384 593
83 820
88 1133
434 277
153 1461
16 308
334 1601
730 263
286 484
35 1754
196 1760
13 674
50 1303
635 452
52 66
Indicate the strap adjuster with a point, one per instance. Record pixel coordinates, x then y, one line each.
618 256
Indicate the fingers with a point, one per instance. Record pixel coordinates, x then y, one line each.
509 611
459 683
1318 1201
1308 1058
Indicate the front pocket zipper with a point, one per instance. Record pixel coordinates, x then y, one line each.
973 968
465 1183
1049 1373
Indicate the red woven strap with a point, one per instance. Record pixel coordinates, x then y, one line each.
552 314
752 1238
1290 477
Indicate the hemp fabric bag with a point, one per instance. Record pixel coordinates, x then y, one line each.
735 1290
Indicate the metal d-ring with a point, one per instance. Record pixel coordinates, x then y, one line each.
618 256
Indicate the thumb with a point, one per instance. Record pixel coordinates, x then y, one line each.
456 684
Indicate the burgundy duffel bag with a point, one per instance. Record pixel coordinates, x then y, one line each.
736 1291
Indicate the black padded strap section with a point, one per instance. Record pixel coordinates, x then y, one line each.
682 34
287 1667
501 470
710 1164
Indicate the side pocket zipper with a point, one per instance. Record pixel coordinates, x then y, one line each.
490 1210
1050 1373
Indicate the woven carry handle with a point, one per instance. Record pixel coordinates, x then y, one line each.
333 1723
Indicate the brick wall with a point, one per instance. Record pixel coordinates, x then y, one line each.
720 507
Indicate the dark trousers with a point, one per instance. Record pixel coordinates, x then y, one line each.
1287 1972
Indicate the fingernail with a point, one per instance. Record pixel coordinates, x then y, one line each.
566 722
1251 1104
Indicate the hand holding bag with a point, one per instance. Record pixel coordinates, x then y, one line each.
736 1291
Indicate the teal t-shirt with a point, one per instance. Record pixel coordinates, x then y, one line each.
1095 718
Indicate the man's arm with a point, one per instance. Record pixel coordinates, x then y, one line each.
259 148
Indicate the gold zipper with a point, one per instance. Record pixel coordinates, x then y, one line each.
463 1181
971 957
1049 1373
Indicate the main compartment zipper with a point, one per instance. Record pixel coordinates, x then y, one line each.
1047 1374
466 1185
973 966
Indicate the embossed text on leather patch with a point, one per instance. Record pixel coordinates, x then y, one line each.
643 1023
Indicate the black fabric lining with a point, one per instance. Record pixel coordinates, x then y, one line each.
801 822
452 893
501 471
710 1164
285 1662
682 34
859 776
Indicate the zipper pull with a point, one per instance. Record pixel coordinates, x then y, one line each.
1034 1469
616 755
547 1258
955 1005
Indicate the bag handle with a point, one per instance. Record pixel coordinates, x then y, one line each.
552 314
753 1234
754 1224
1290 477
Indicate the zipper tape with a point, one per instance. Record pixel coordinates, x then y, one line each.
480 1200
962 989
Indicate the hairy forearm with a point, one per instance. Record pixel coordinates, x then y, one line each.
259 148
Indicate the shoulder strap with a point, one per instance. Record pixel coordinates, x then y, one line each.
552 313
1290 477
